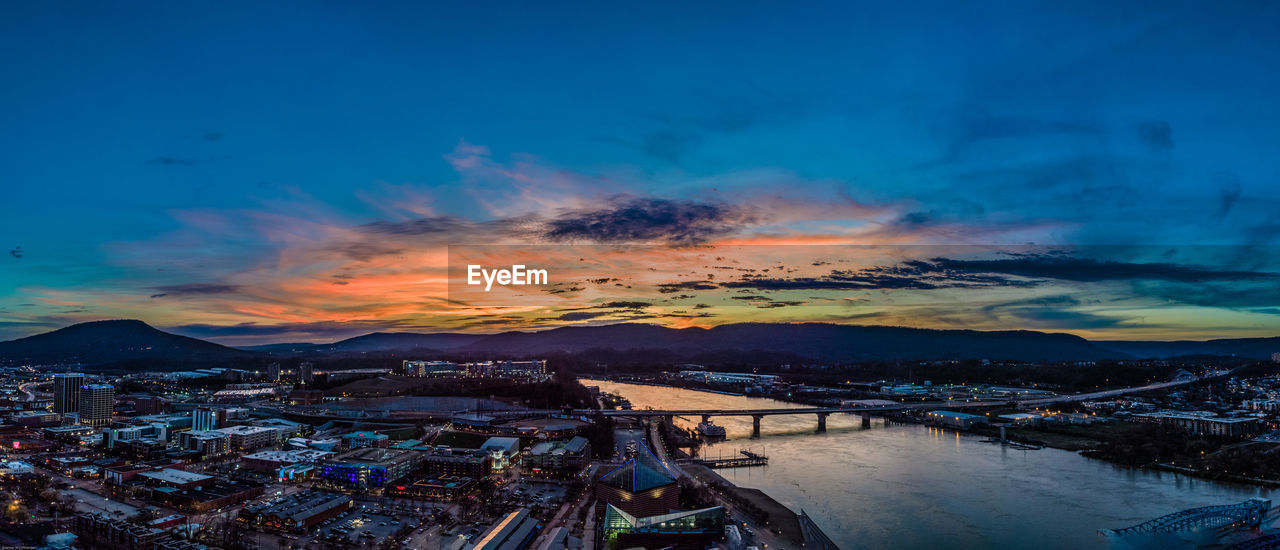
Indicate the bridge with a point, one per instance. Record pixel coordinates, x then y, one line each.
865 410
1248 513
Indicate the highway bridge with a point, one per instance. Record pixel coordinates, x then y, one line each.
1249 513
866 410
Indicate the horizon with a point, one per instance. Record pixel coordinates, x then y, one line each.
288 174
427 331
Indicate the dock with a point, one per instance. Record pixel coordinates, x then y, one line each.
747 459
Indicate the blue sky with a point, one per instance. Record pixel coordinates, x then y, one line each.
150 146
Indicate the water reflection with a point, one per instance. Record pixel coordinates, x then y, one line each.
912 486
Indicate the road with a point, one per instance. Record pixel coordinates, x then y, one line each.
763 537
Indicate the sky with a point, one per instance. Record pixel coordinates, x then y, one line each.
305 172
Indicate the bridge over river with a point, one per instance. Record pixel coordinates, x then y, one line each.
866 409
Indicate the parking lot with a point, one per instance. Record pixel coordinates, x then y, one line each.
361 524
93 502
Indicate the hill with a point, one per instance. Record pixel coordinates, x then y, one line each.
108 342
816 341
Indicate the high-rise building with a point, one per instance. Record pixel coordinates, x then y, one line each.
208 418
96 403
66 392
306 371
273 372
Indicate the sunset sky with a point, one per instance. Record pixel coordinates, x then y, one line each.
254 173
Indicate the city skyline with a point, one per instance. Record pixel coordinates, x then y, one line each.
290 174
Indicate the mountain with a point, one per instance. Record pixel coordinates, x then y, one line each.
399 341
818 341
140 345
1252 348
108 342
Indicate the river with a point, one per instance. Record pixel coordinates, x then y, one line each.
912 486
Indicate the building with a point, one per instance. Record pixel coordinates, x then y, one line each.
368 468
209 496
150 404
504 451
270 462
458 462
36 419
96 404
526 370
952 419
250 438
441 487
685 529
66 392
557 458
750 379
105 532
306 397
1020 419
516 531
206 443
14 468
431 369
1198 424
360 440
173 477
208 418
641 487
306 372
295 512
273 372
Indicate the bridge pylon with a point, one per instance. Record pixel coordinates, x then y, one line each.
822 421
755 424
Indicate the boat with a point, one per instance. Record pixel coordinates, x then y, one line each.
707 429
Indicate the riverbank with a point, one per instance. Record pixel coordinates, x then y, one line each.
784 522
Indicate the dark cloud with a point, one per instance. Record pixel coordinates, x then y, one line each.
420 226
1157 135
194 289
172 161
668 288
365 250
629 219
625 305
160 295
1080 269
212 136
776 304
16 252
580 315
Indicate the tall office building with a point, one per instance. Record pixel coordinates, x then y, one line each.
66 392
208 418
96 403
306 372
273 372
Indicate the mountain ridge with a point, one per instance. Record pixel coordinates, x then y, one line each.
114 341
